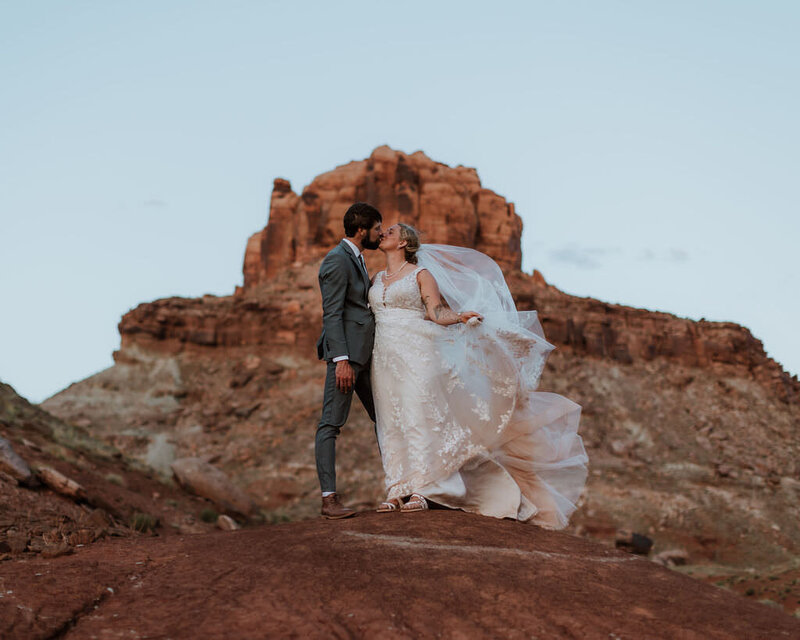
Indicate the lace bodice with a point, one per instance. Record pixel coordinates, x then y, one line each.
400 294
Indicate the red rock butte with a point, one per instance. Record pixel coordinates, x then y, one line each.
448 205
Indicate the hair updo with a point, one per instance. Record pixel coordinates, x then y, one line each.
410 236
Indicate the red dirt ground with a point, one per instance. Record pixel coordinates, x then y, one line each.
436 574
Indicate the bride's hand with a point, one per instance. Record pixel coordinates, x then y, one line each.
466 316
437 310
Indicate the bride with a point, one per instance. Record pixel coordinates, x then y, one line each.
454 372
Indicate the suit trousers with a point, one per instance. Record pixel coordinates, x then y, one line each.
335 409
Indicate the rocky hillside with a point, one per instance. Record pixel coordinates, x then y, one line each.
61 489
692 431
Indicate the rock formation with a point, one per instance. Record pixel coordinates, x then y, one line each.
691 429
625 335
448 205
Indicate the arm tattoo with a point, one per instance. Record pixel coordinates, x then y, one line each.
441 313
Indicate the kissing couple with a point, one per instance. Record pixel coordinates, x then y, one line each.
447 369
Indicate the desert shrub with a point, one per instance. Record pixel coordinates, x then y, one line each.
143 522
115 478
208 515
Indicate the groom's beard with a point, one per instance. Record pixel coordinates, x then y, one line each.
370 244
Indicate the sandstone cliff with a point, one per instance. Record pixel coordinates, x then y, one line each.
448 204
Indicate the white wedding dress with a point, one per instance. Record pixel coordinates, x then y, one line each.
458 417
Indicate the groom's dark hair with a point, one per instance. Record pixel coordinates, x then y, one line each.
360 216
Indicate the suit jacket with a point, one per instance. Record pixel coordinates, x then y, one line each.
348 327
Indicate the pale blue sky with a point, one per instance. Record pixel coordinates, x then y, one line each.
651 148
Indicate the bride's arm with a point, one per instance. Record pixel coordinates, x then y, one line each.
437 310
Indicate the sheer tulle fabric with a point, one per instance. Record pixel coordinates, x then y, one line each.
458 416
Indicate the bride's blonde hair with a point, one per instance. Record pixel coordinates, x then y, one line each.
410 236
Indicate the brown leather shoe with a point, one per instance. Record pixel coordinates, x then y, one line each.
332 509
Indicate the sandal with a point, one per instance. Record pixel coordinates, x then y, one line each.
415 503
389 506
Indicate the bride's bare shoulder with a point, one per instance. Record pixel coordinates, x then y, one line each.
424 277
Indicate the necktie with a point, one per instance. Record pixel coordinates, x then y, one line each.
363 265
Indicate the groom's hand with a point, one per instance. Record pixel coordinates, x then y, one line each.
345 376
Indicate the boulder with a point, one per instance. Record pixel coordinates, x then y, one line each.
633 542
203 479
56 550
226 523
672 558
13 464
60 483
17 542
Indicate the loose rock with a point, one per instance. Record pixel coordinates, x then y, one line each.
17 542
54 551
633 542
13 464
672 558
83 536
199 477
226 523
59 483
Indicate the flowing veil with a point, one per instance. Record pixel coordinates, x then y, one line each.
469 280
490 372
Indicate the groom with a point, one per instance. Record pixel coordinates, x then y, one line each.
348 331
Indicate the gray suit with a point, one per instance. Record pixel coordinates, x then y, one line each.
348 329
